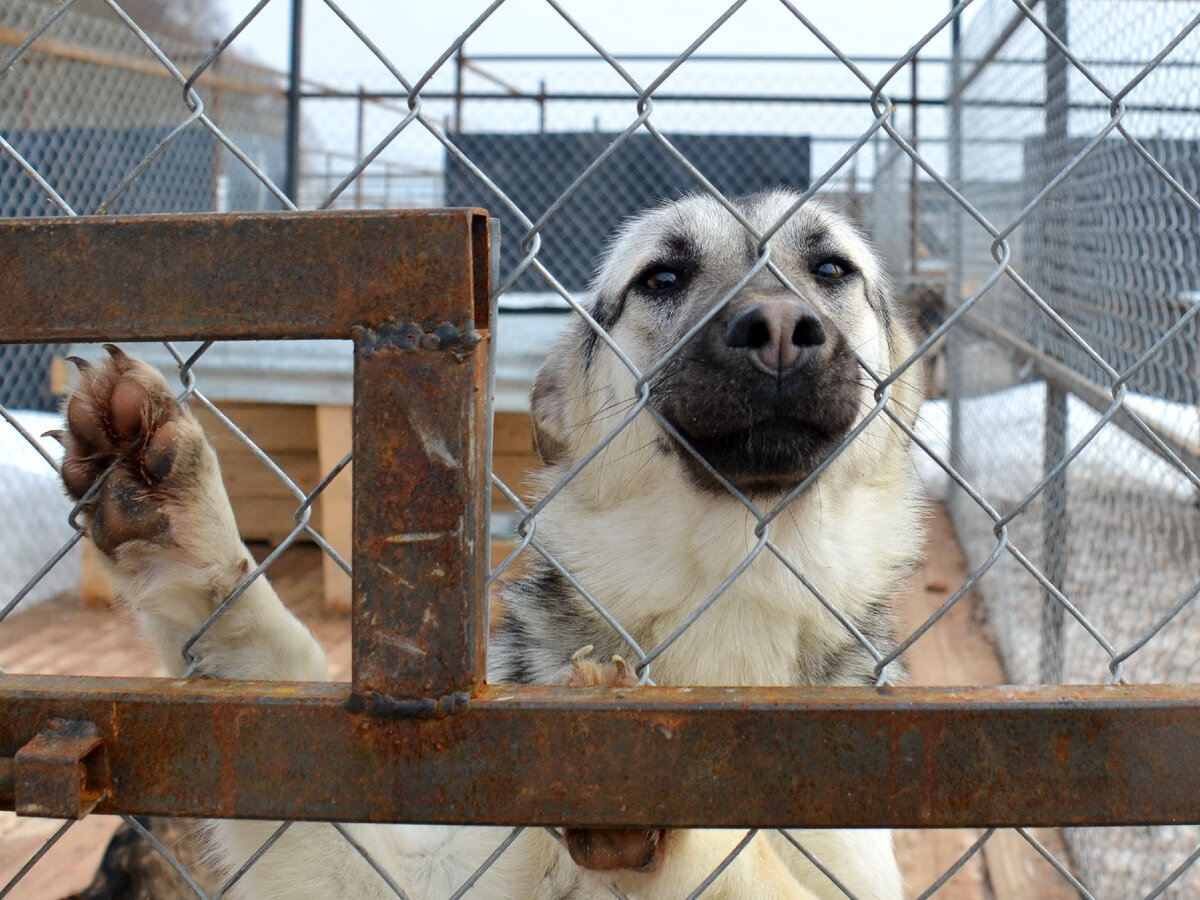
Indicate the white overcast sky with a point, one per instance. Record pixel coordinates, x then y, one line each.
413 34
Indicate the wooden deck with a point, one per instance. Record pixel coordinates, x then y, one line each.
64 637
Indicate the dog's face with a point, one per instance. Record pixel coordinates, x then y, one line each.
768 385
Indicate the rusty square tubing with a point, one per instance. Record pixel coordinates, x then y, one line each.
61 772
233 276
824 757
411 288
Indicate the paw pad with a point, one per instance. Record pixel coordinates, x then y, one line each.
124 427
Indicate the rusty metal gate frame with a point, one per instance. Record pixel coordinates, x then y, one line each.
417 735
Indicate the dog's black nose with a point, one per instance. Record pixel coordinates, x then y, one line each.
781 335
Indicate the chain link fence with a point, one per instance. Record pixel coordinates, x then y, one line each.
1042 221
1101 323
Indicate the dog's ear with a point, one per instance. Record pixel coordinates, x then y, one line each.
902 342
548 403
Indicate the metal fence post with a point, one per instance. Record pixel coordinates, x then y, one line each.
914 182
291 184
955 271
1054 440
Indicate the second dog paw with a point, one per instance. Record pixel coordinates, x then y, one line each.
606 849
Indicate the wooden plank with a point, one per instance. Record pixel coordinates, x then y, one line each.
267 519
143 65
512 433
60 376
925 856
245 474
1017 871
334 440
70 864
263 504
514 471
275 427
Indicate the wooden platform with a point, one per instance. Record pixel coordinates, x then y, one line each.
65 637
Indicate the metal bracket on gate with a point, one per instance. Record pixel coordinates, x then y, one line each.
62 773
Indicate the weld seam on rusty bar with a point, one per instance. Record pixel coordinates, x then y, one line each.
421 487
380 706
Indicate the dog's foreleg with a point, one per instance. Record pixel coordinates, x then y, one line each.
162 520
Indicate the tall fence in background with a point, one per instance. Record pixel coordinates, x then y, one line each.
1035 193
1074 387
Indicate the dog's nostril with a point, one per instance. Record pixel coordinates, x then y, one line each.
749 328
758 334
809 332
780 336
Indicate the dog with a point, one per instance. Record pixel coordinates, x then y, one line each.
736 380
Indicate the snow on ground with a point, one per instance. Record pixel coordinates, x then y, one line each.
1133 523
35 511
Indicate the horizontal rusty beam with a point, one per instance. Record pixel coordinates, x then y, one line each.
906 757
239 276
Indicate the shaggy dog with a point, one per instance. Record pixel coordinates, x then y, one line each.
749 393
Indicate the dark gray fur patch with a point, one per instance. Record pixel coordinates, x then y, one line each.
607 312
850 663
545 621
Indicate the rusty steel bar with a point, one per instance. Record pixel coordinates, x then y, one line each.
412 289
902 757
239 275
421 484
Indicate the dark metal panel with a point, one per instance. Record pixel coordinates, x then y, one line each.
241 275
907 757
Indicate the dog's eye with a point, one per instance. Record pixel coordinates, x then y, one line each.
661 278
832 268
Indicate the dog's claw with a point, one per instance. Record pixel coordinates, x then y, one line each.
115 352
57 434
79 363
582 653
586 672
624 672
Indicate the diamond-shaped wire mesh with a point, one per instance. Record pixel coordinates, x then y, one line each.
1038 211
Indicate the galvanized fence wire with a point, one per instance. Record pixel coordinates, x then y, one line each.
1099 176
997 291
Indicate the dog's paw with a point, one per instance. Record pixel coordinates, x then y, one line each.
606 849
126 431
586 672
